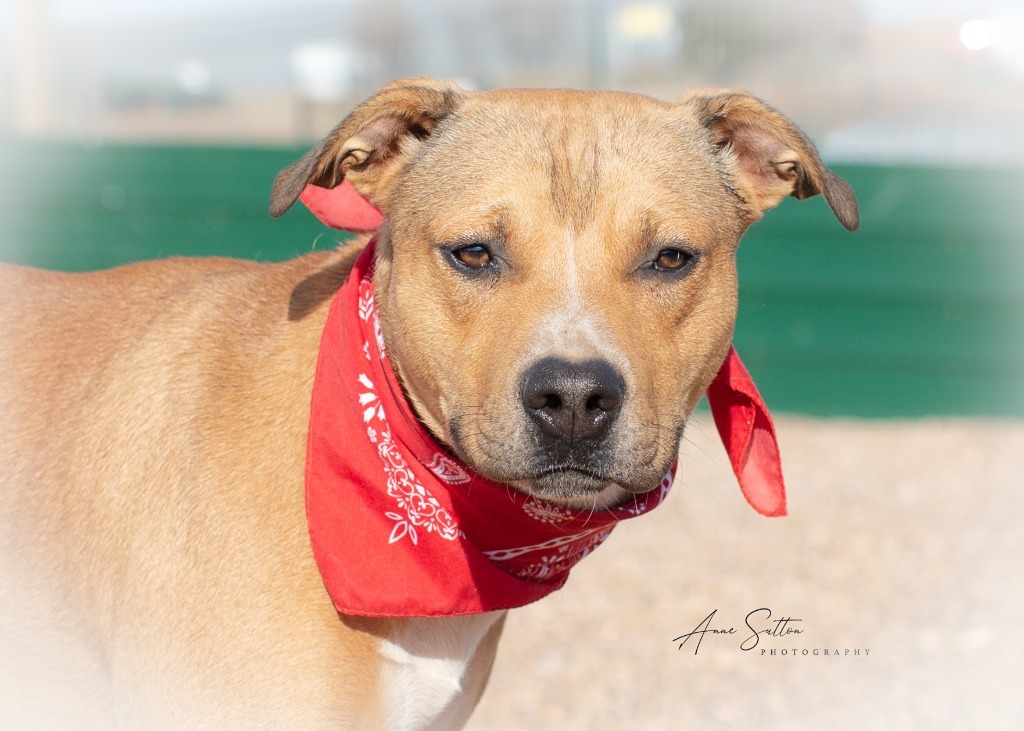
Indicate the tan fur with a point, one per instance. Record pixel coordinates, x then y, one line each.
153 417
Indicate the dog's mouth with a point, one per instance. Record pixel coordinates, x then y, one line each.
569 480
574 487
566 483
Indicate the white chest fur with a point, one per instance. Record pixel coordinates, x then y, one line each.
434 670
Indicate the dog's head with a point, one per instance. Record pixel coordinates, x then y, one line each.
556 279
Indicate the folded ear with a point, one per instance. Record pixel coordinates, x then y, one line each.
372 144
772 158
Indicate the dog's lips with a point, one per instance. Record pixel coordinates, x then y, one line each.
557 482
568 487
562 479
581 474
572 485
570 480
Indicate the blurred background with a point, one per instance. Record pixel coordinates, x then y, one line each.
133 130
873 80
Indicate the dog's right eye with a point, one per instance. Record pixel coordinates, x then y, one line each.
474 256
672 260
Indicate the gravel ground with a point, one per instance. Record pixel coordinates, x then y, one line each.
903 543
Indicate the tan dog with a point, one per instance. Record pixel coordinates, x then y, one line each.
154 555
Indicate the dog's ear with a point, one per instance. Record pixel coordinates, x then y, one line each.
372 144
772 158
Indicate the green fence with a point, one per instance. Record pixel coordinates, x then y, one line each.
920 312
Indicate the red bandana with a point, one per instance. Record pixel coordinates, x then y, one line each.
399 528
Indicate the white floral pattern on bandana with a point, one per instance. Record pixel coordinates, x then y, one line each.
420 509
557 555
368 310
448 469
546 512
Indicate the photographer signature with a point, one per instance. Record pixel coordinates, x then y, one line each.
759 622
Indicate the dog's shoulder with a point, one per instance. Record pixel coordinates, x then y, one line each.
209 333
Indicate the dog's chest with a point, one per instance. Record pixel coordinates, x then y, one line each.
432 671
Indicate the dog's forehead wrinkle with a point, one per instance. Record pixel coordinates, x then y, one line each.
574 153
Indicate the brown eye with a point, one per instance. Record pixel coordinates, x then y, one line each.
474 256
672 260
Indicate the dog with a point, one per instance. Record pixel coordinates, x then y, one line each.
551 291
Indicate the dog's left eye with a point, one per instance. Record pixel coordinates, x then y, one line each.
672 260
474 256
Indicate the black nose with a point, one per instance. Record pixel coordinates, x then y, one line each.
572 402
